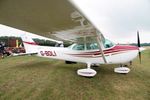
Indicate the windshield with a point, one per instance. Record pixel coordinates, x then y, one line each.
107 43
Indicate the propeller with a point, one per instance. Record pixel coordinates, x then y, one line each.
139 45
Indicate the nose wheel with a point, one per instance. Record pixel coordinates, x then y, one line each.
122 69
87 72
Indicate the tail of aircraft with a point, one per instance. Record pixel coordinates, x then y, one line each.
29 44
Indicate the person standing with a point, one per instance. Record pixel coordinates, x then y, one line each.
2 49
1 52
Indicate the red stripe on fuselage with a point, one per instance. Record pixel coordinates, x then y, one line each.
31 43
117 48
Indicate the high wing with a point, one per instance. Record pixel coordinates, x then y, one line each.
37 16
75 33
23 54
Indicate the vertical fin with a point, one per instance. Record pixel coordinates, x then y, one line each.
29 44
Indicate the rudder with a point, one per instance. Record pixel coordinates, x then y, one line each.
29 45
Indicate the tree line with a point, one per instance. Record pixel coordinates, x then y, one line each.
142 44
41 42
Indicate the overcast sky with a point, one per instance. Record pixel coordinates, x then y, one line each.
9 31
118 19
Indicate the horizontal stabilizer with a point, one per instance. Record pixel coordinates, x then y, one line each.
23 54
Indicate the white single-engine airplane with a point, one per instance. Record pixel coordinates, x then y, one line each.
90 47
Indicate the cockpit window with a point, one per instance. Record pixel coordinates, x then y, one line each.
107 43
78 47
91 43
91 46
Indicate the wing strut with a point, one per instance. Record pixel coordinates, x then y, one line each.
99 40
99 37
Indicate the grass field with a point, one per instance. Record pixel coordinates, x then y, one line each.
33 78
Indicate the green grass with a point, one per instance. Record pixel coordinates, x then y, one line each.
33 78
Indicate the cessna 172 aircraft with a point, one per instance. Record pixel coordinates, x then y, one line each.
90 47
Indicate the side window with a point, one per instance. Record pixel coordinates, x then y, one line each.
78 47
91 46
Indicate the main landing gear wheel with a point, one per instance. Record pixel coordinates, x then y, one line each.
87 72
122 69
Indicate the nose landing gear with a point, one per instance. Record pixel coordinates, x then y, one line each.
87 72
122 69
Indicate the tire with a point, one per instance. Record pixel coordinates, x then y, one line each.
70 62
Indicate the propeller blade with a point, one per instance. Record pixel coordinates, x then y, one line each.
139 45
140 57
138 39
